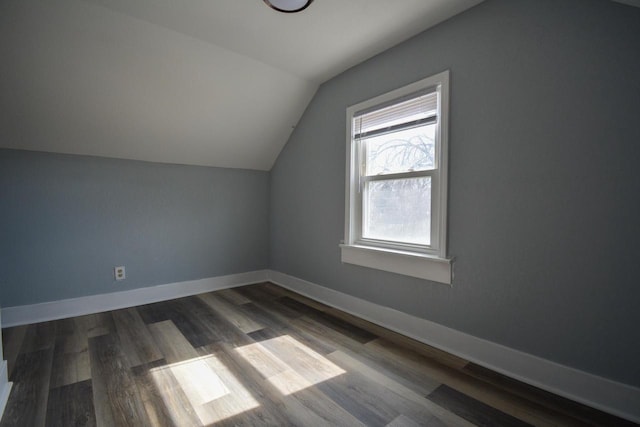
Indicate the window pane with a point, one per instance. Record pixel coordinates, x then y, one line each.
403 151
398 210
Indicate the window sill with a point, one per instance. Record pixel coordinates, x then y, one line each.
406 263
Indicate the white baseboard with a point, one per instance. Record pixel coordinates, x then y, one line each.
34 313
5 386
613 397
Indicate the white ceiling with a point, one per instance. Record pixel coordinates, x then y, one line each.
201 82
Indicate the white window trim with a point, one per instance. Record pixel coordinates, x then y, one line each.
430 264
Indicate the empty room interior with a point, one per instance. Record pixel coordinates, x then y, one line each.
326 212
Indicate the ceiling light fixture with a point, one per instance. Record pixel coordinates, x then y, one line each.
288 6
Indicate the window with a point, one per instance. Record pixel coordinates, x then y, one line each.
396 192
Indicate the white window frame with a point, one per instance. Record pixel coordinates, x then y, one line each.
425 262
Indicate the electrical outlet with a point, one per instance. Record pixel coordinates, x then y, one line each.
118 273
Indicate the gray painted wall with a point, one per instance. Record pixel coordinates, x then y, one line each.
544 181
66 221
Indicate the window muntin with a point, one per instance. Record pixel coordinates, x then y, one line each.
396 181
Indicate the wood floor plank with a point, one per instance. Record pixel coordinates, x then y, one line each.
96 324
420 367
320 373
12 339
260 359
272 302
295 305
199 324
217 325
89 325
358 403
392 367
27 405
263 335
173 345
71 406
314 405
71 354
416 365
312 366
581 412
116 398
282 311
376 401
404 421
282 388
241 403
39 336
305 300
401 340
189 326
137 344
310 341
342 327
64 327
311 334
69 368
70 338
473 410
164 400
232 312
319 346
256 293
156 312
269 289
263 317
416 371
276 290
251 381
352 364
233 296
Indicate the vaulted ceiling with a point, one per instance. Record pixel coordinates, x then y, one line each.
201 82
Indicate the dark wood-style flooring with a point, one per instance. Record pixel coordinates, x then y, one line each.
256 355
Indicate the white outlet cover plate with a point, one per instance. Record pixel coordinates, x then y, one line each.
119 273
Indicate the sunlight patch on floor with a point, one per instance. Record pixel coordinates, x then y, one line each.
289 365
198 381
212 390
